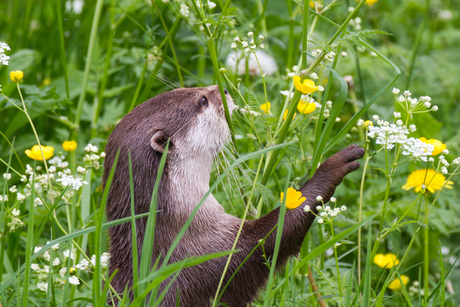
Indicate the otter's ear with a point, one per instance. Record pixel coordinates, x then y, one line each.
159 140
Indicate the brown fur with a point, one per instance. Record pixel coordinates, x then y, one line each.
197 133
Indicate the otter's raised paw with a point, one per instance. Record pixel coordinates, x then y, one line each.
344 161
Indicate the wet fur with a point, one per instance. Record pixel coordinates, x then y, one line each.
197 134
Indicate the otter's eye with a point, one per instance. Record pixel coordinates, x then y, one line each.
204 101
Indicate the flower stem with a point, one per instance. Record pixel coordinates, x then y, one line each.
426 253
361 193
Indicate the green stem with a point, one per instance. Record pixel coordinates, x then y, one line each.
426 253
361 193
215 64
336 263
108 56
62 48
170 43
417 43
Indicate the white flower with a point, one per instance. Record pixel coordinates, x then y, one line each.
7 176
234 46
407 93
20 197
245 44
42 286
67 253
333 200
13 189
343 53
431 159
319 208
343 208
323 214
56 262
417 149
396 91
83 265
360 123
262 46
102 155
434 108
444 170
62 272
37 202
34 267
445 152
267 63
237 39
261 37
445 14
337 119
376 117
337 244
105 259
307 208
456 161
319 198
412 128
184 11
328 104
320 88
4 58
46 255
320 221
75 183
74 280
397 114
399 122
250 34
211 5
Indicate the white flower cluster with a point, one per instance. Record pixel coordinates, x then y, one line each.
247 110
330 56
4 58
248 46
15 221
210 4
155 55
316 52
91 158
74 183
355 23
387 134
325 214
292 73
417 150
42 272
184 10
414 105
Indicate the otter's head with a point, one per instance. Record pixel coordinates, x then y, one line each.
193 119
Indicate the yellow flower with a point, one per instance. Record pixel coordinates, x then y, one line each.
438 145
46 82
36 154
367 123
266 107
386 261
286 113
312 4
306 108
369 2
428 178
306 87
293 199
16 76
72 270
69 145
396 284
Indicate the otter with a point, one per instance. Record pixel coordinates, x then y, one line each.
193 120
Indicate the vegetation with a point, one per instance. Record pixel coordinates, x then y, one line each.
307 82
